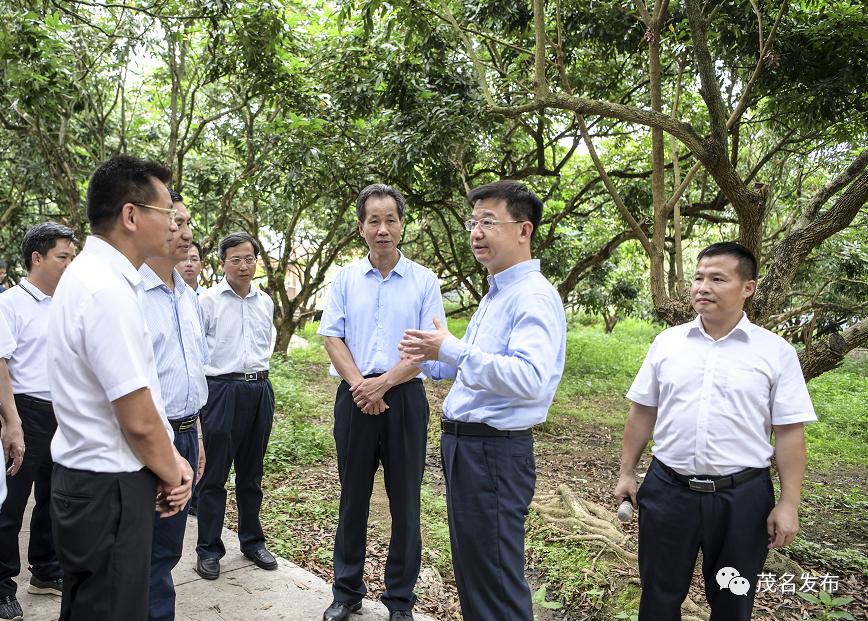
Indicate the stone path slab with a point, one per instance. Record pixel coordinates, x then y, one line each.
243 592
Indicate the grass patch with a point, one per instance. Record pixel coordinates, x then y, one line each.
436 547
296 438
840 399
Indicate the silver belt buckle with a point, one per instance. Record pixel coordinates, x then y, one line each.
250 377
701 485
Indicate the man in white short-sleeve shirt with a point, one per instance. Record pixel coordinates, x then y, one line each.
113 447
713 391
47 250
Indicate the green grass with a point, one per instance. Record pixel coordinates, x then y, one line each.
296 438
840 399
436 548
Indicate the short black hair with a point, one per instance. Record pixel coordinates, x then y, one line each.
521 203
122 179
236 239
42 238
176 198
199 248
2 264
379 189
747 267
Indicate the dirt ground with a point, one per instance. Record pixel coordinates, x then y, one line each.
582 455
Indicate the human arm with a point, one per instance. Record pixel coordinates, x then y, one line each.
638 431
12 435
783 521
146 435
370 391
520 368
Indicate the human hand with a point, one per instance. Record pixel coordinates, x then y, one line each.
783 524
12 437
200 468
419 345
625 489
369 391
171 499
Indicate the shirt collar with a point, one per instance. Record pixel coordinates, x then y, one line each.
150 280
400 267
33 290
101 248
744 326
503 279
223 286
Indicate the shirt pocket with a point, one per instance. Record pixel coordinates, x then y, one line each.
747 387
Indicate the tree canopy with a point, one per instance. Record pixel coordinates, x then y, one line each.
649 129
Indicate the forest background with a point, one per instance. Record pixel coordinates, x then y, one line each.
649 129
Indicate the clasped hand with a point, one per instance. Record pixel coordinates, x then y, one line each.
368 395
171 499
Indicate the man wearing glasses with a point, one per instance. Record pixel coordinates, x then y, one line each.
190 267
236 421
172 311
506 369
113 449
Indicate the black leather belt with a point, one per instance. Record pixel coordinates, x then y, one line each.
479 429
34 403
709 484
180 425
243 377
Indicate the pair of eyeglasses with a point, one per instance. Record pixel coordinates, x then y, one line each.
191 260
488 224
171 213
236 261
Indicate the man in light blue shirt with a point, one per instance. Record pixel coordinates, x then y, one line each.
175 327
381 412
506 369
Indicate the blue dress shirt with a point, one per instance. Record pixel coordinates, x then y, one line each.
371 312
175 324
508 365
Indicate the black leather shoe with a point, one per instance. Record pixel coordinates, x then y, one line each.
340 611
401 615
262 558
10 609
208 568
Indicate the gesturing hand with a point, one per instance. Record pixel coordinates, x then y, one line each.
419 345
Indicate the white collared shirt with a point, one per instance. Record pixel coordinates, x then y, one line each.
237 330
25 308
718 400
99 350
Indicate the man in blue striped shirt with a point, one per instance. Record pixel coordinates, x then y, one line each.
175 326
506 369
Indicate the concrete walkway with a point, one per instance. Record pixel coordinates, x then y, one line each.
243 592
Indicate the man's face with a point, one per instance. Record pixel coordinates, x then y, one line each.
182 239
2 273
718 289
382 227
50 267
191 267
500 247
239 265
155 231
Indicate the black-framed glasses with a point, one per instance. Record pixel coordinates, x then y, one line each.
171 213
488 224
